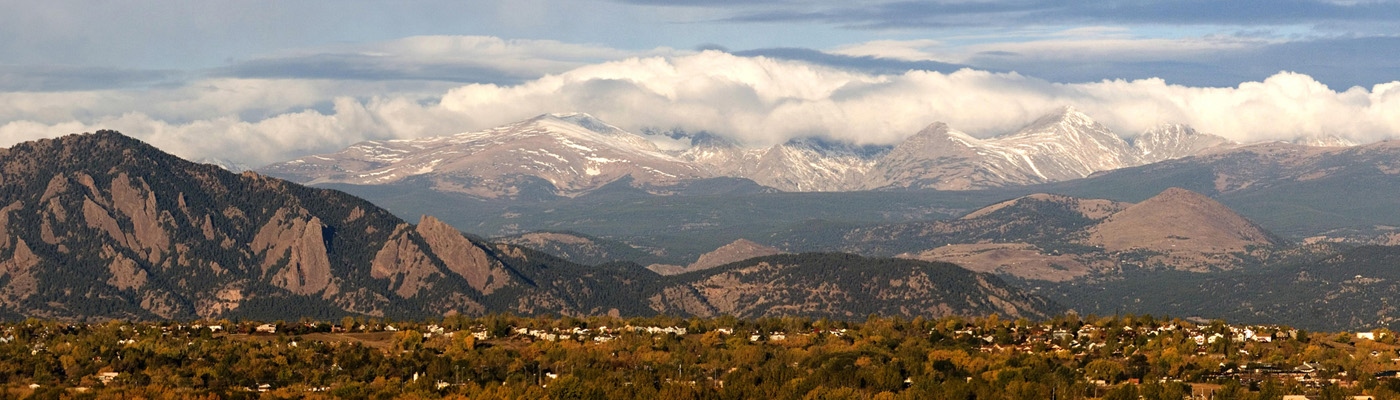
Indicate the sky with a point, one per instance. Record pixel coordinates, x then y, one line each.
254 82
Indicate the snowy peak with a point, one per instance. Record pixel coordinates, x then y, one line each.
803 165
1068 126
1173 141
1065 119
936 141
1069 144
577 123
937 135
939 157
575 126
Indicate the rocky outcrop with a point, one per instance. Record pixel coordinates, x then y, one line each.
126 273
224 300
5 237
136 201
404 263
462 256
294 252
98 218
132 202
20 271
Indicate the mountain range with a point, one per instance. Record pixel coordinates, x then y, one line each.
1171 221
99 226
1177 253
572 154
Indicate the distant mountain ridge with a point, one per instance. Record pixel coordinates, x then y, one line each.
852 286
1055 237
571 154
1296 190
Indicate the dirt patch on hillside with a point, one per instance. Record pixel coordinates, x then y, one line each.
1016 259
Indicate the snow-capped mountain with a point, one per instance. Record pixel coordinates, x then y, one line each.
800 165
940 157
573 153
1069 145
1172 141
1061 146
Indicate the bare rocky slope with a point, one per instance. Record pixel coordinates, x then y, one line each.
1178 221
576 247
739 250
97 226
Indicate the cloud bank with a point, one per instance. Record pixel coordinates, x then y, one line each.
758 100
432 58
917 14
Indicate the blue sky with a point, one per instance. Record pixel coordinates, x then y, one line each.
292 73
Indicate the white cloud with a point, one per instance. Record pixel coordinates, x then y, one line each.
758 100
906 50
1109 48
443 57
765 101
1082 44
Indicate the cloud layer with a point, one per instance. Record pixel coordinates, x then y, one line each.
920 14
758 100
431 58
